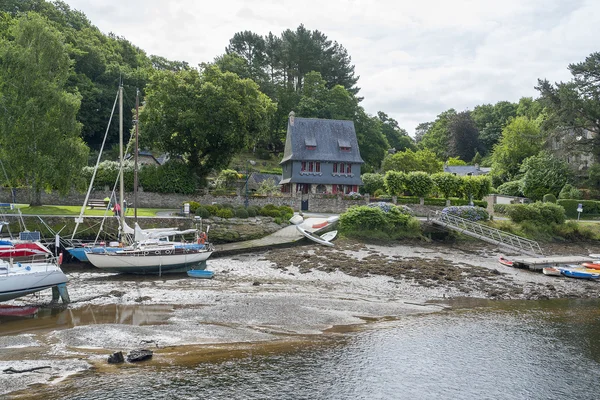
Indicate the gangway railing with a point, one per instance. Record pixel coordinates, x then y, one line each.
488 234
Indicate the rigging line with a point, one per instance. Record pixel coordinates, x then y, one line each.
87 196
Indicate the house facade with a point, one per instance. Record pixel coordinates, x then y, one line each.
320 156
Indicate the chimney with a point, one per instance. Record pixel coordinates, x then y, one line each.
292 118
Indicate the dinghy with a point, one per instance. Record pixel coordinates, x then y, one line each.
200 273
505 262
551 271
579 273
324 239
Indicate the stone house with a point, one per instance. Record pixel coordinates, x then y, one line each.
320 156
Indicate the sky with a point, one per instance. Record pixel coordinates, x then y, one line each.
415 59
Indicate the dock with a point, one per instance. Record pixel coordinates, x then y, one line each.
537 263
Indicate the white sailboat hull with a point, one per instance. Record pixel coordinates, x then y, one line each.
17 280
137 262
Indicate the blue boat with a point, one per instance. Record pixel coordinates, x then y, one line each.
200 273
581 274
80 253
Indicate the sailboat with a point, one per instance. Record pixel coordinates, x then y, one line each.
150 252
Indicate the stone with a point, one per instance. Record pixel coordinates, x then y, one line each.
139 355
116 358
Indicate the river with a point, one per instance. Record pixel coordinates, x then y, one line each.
477 350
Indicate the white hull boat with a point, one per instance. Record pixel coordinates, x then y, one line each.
22 278
324 239
151 259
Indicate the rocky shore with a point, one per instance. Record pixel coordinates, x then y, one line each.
281 295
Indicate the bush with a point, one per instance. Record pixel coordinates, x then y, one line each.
471 213
380 193
193 206
379 220
202 212
544 213
225 213
513 188
549 198
590 207
241 213
372 183
253 211
212 209
569 192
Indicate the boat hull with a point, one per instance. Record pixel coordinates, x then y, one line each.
571 273
81 253
314 237
137 262
17 281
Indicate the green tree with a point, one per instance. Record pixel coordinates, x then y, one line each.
437 136
372 182
407 161
490 120
520 139
419 183
543 174
206 117
575 104
446 183
463 136
394 182
39 133
397 137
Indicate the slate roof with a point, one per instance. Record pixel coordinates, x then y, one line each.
328 135
463 170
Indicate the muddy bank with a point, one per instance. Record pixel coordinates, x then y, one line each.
279 296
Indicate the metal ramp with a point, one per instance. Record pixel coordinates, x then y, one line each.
487 234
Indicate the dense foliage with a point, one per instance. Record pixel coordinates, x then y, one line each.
382 221
538 212
471 213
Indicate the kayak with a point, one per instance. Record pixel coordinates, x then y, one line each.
505 261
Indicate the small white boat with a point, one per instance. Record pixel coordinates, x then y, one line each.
297 219
19 278
324 239
551 271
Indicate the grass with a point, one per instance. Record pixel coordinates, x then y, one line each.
75 210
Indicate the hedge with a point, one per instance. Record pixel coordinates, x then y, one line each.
590 207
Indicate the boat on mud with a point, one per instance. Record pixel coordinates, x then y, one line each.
19 278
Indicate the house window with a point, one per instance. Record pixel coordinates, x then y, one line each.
310 166
341 168
317 167
311 147
335 168
321 189
345 149
303 166
349 169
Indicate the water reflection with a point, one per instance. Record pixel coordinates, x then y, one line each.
64 318
495 350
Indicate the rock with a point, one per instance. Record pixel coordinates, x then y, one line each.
139 355
116 358
256 283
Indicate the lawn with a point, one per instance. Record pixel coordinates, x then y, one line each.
75 210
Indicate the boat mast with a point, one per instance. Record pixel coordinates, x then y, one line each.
135 160
121 181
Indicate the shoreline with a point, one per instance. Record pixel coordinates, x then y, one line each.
274 296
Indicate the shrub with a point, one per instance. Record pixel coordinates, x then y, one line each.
253 211
202 212
544 213
193 206
569 192
590 207
379 220
446 183
394 182
241 213
212 209
171 177
419 183
225 213
380 193
513 188
472 213
372 183
549 198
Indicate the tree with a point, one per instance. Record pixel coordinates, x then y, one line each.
520 139
397 137
408 161
394 182
490 120
574 104
206 117
436 137
39 134
463 136
419 183
446 183
544 174
372 183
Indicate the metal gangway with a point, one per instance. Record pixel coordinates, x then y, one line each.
487 234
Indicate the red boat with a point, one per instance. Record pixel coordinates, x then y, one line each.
594 265
14 249
505 261
17 311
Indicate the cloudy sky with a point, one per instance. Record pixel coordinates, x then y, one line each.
415 59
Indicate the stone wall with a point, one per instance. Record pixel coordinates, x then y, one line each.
317 203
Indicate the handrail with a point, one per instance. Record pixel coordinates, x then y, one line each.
497 235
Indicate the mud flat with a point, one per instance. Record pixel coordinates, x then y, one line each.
279 296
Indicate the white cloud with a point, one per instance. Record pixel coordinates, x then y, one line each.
415 59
